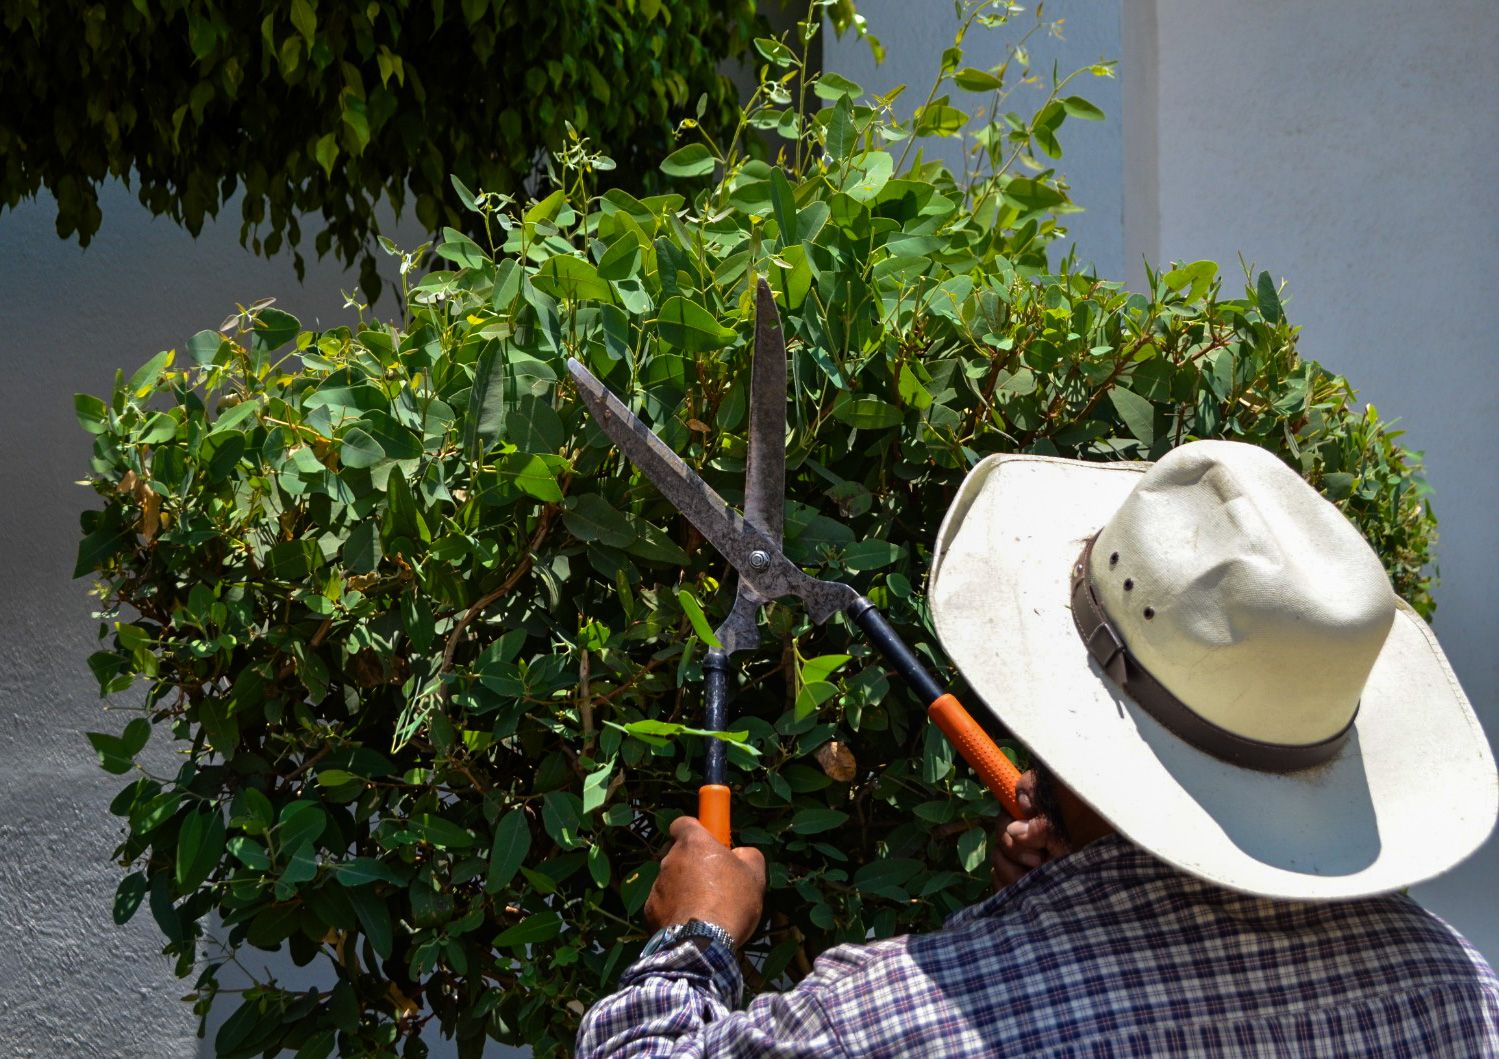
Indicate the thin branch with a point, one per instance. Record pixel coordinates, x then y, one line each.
543 525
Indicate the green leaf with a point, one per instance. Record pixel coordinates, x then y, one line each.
512 841
112 753
273 329
815 820
691 161
863 556
974 80
362 871
92 413
358 449
304 19
1137 413
374 919
128 897
249 852
832 87
865 412
810 696
973 848
822 667
774 52
695 615
291 560
887 876
622 260
841 137
461 250
530 474
1078 107
486 402
596 787
302 822
571 279
1198 277
204 346
326 152
1269 300
783 201
589 517
533 426
200 845
362 552
441 831
543 926
690 327
867 176
148 374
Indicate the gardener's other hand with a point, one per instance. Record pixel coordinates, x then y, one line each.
1022 845
700 879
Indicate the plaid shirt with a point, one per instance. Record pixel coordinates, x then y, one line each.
1107 952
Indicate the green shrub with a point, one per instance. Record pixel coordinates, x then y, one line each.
426 637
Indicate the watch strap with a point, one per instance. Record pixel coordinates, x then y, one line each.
666 937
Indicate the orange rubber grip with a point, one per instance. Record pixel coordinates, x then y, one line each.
997 771
713 810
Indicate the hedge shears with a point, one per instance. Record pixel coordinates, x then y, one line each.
751 543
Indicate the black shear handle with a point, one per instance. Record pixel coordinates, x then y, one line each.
947 713
713 795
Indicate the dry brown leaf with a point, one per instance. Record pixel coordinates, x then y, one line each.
837 760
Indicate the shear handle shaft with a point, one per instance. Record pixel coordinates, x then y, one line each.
713 795
947 713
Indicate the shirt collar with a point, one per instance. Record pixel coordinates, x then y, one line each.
1041 883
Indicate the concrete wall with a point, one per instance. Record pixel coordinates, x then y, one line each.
1350 147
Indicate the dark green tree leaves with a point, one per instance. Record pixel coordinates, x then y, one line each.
328 107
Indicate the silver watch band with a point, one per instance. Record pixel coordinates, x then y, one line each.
666 937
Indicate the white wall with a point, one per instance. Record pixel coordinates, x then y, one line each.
1351 147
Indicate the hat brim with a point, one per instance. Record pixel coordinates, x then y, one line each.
1412 792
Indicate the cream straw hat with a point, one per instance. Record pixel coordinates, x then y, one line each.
1210 655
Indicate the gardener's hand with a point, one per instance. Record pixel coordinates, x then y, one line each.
1022 845
700 879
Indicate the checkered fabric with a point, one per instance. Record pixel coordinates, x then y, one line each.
1106 953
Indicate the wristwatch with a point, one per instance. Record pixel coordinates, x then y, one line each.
666 937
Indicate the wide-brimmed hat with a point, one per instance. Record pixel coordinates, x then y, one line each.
1211 656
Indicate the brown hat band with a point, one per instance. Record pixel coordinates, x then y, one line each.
1108 649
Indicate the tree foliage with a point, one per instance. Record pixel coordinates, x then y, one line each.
433 646
331 107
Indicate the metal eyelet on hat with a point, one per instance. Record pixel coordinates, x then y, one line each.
1129 584
1114 559
1149 613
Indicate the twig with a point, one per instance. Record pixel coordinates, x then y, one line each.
544 523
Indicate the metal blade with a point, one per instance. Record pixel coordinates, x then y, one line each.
765 465
756 557
765 468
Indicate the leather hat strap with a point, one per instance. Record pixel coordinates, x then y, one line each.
1108 648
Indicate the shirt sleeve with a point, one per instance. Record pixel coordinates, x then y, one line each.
681 1002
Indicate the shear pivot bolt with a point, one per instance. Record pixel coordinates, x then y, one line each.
759 560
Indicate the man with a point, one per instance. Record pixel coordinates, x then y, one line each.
1251 739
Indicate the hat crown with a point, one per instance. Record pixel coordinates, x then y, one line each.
1244 593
